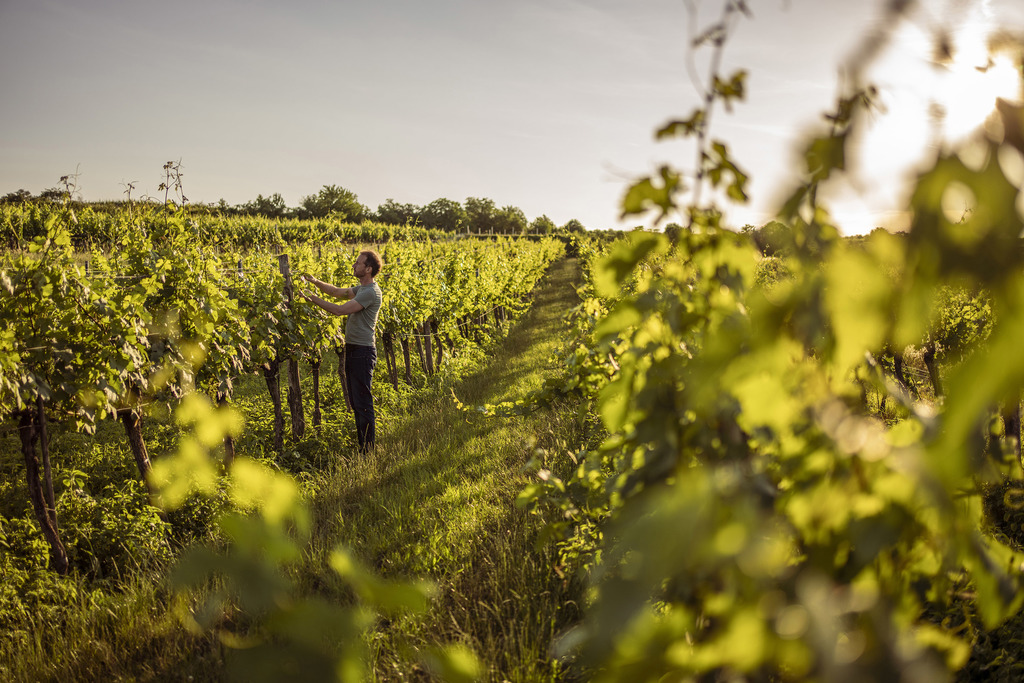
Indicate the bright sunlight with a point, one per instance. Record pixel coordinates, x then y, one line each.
927 99
973 81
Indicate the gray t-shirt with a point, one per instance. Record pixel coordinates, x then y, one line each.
359 328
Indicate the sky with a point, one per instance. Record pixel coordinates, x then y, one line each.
547 105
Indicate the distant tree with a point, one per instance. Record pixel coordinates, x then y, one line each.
393 213
673 231
271 207
480 214
773 238
542 225
573 225
443 214
333 200
18 197
510 220
53 194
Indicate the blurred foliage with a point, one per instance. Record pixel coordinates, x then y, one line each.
750 515
245 591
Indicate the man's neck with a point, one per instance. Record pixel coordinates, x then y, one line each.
366 280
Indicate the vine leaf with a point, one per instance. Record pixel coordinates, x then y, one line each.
682 127
732 89
718 165
824 155
612 269
649 193
981 242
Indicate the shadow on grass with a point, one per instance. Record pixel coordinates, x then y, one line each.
437 500
421 503
529 343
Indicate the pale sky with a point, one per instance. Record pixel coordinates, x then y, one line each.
548 105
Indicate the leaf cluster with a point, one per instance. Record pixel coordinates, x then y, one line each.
749 515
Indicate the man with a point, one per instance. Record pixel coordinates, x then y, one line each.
360 337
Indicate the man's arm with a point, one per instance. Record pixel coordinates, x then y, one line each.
327 288
347 308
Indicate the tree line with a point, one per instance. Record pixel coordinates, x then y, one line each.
475 215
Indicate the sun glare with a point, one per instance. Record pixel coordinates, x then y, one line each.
969 86
923 106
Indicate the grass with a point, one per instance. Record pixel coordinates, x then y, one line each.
435 500
128 634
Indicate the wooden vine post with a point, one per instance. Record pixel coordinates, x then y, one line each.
294 390
933 367
44 448
315 369
32 430
389 356
419 348
271 373
407 357
229 441
435 329
427 350
132 421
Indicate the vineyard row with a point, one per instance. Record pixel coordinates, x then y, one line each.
159 317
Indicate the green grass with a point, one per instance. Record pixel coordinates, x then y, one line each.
121 635
436 500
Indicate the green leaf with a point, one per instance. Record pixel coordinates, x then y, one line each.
623 317
253 536
649 193
615 400
389 596
189 470
733 89
611 270
274 494
682 128
62 238
824 155
529 495
859 297
453 664
980 239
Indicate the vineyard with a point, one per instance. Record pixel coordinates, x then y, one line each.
792 481
134 333
689 453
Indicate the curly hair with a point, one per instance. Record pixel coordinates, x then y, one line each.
373 260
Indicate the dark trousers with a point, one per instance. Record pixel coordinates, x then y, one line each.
359 364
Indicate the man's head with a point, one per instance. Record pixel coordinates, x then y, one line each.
372 260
